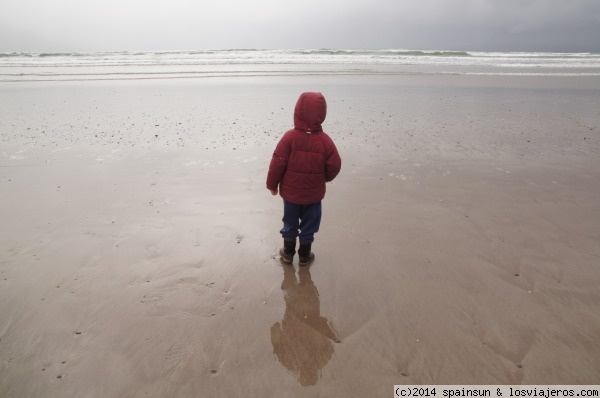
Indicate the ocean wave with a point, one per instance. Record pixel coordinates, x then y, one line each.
259 59
250 52
390 52
42 55
14 54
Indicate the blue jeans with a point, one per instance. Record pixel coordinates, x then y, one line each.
306 218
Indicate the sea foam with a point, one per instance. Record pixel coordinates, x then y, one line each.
18 66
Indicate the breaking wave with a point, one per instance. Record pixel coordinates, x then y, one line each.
19 66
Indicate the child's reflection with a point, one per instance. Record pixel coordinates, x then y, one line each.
303 341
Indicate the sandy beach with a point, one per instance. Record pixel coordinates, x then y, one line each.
460 243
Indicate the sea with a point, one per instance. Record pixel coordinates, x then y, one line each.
128 65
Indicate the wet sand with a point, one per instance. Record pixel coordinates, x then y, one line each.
138 251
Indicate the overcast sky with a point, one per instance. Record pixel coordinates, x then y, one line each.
116 25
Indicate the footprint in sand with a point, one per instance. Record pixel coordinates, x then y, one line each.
151 298
174 354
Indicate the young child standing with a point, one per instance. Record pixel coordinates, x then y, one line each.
304 160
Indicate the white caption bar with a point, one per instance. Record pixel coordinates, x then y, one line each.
497 391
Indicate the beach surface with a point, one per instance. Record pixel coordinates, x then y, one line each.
460 243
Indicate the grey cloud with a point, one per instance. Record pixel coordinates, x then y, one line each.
517 25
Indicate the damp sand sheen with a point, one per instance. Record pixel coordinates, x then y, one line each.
139 245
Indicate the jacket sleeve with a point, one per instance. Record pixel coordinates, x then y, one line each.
279 162
333 163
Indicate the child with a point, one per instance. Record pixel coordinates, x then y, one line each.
304 160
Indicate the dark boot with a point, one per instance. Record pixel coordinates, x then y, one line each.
287 251
306 256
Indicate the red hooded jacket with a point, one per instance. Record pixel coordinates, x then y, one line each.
305 157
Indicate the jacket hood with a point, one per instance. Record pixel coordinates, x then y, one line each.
310 112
